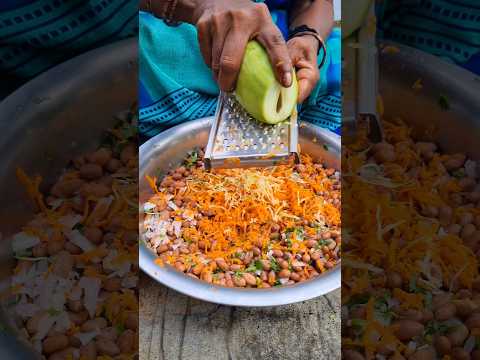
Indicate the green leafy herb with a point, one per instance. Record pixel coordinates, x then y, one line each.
251 268
79 226
256 266
120 329
436 328
459 174
277 283
325 147
322 242
428 300
358 326
298 231
412 285
289 243
238 273
191 158
383 312
358 299
443 102
274 264
53 312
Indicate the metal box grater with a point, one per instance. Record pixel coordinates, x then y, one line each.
237 140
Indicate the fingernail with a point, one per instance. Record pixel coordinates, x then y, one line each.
287 79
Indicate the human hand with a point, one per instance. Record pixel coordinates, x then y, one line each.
303 53
224 29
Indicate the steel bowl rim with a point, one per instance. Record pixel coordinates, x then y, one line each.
243 297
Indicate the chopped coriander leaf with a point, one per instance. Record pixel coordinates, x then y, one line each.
358 299
436 328
251 268
298 231
191 159
53 312
274 264
323 242
460 173
120 328
443 102
325 147
256 266
79 226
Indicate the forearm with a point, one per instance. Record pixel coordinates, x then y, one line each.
184 11
317 14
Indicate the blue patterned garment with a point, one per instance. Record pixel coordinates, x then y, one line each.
38 34
447 28
176 85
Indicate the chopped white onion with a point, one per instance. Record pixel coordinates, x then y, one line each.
23 241
130 282
469 344
148 206
78 239
471 169
55 204
43 326
172 205
69 221
26 310
177 228
86 337
91 287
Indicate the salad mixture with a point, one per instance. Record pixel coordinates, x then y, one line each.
246 227
74 290
410 270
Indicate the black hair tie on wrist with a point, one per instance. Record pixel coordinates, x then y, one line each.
304 30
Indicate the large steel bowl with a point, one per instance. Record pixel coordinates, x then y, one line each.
165 151
456 129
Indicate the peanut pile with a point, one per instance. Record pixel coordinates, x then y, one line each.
246 227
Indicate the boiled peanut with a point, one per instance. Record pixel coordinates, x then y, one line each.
126 341
459 353
112 284
442 345
425 353
407 329
458 335
91 171
352 355
101 157
52 344
94 324
250 279
239 281
113 165
132 321
89 351
107 347
445 312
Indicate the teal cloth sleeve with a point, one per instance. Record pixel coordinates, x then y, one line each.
176 86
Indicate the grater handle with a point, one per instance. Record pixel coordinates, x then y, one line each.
368 79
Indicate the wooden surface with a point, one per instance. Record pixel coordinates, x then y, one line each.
177 327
